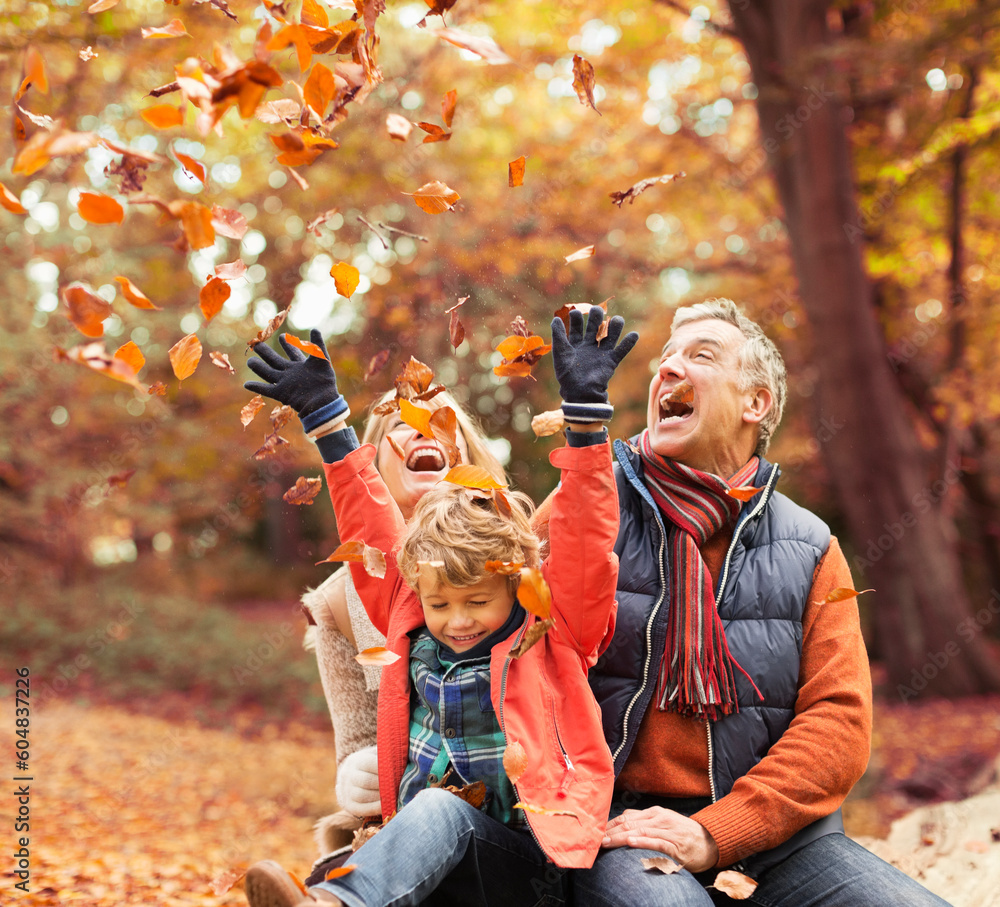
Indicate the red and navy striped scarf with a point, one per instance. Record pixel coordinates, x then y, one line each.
697 670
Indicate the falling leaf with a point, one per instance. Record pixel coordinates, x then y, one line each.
304 491
231 270
44 145
358 552
131 355
319 90
307 346
212 297
417 417
413 379
196 222
534 593
10 201
661 864
251 409
283 110
195 167
184 356
515 172
543 811
515 761
376 364
134 295
223 882
157 388
448 103
265 333
222 361
34 74
842 593
434 133
346 278
338 872
296 35
743 492
99 6
583 82
513 347
520 353
94 356
88 53
481 46
314 225
534 633
580 254
619 198
163 116
99 209
472 477
456 330
229 223
280 416
173 29
399 127
396 449
86 309
738 886
548 423
270 446
434 197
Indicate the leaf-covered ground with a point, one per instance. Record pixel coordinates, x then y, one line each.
128 809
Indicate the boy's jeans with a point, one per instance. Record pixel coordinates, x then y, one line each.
439 850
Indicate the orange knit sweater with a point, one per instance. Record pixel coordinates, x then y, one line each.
807 774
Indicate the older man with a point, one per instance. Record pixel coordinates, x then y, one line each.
736 692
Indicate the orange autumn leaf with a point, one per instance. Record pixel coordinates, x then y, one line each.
358 552
581 254
251 409
518 369
94 356
87 310
513 347
229 223
339 872
293 34
515 761
99 6
212 297
376 656
515 172
95 208
503 568
196 222
683 393
346 278
163 116
434 132
173 29
417 417
583 82
184 356
399 127
157 388
548 423
221 360
34 74
743 492
630 194
534 593
660 864
134 295
265 333
10 201
231 270
434 197
413 379
314 14
456 330
378 362
842 593
448 103
304 491
396 449
307 346
319 90
738 886
131 355
472 477
196 168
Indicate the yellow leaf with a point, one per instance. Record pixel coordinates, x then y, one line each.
434 197
184 356
346 278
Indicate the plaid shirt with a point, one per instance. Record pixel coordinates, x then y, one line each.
455 697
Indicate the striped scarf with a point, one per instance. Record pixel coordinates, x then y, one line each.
696 673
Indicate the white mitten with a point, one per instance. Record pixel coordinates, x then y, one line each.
357 783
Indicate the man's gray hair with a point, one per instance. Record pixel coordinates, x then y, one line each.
761 364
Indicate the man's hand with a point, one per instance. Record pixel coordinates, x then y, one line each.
671 833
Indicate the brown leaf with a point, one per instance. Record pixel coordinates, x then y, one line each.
307 346
629 195
376 364
842 593
483 47
363 834
280 416
134 295
444 429
474 794
93 356
157 388
270 446
229 223
346 278
265 333
456 330
212 297
534 593
543 811
396 449
738 886
683 393
534 633
515 172
448 103
86 309
399 127
251 409
173 29
434 133
95 208
580 254
10 201
231 270
661 864
120 479
548 423
583 82
515 761
195 167
222 361
304 491
434 197
163 116
743 492
131 355
184 356
414 378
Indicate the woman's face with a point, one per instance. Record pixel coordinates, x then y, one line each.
424 463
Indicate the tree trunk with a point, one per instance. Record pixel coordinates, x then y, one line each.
926 632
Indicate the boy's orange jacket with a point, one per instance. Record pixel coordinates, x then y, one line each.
542 700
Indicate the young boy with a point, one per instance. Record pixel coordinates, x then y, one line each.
456 698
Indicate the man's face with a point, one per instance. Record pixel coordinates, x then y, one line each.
717 431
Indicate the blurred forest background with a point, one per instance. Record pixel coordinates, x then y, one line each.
840 180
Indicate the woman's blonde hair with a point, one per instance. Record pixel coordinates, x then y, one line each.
475 438
461 530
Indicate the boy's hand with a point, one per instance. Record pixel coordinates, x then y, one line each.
306 383
584 367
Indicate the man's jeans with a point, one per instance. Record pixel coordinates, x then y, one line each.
438 850
832 871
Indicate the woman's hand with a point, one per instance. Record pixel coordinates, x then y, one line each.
357 783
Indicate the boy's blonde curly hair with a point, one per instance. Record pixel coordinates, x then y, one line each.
453 525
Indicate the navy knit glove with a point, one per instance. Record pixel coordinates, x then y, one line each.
584 367
306 383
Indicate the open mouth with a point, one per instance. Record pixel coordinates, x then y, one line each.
426 459
673 409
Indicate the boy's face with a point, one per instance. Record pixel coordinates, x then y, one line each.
462 616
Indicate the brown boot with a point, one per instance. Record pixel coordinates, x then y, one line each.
268 885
